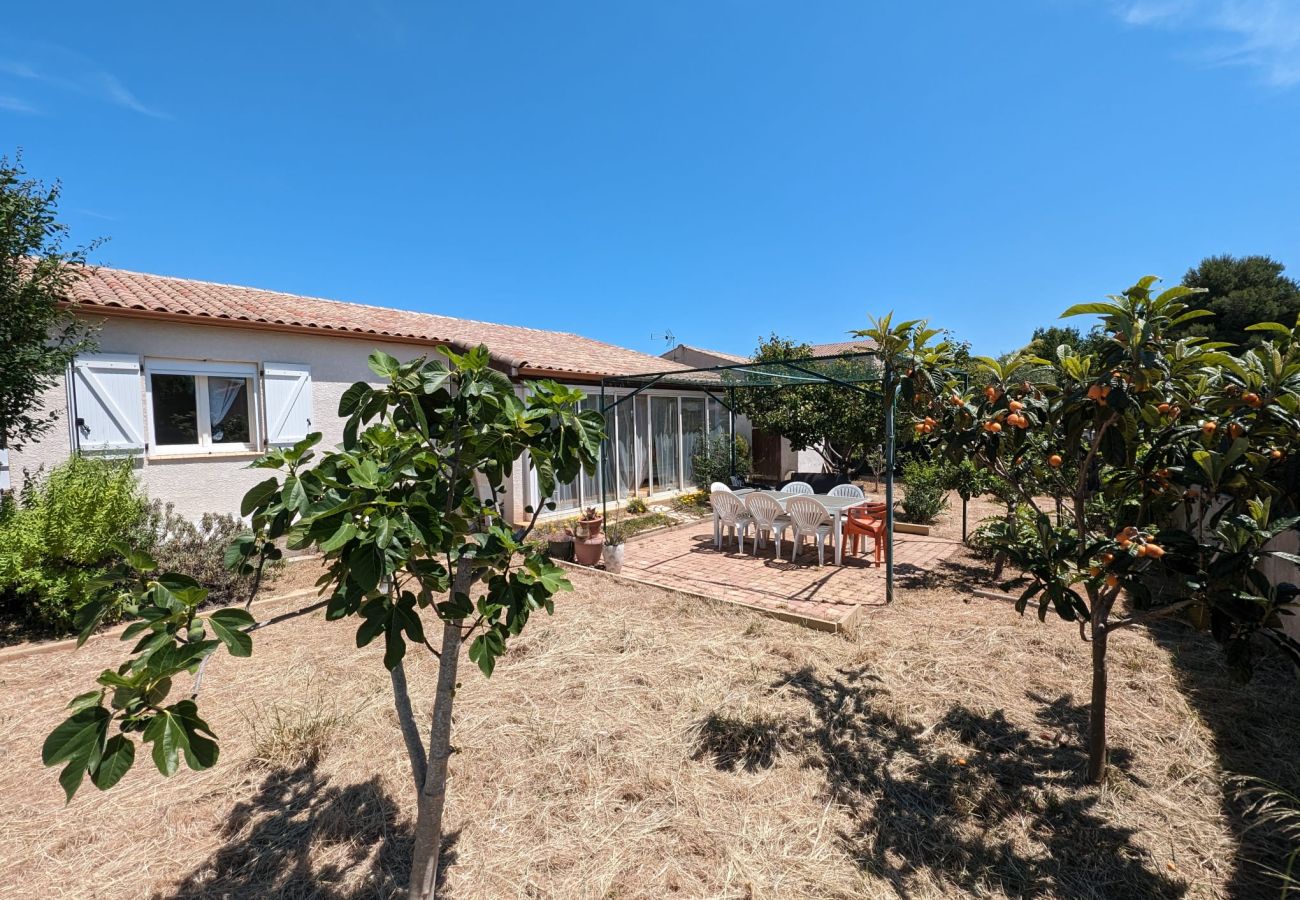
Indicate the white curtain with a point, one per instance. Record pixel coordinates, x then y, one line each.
666 439
222 393
692 432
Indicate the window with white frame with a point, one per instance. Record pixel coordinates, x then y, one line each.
164 407
201 407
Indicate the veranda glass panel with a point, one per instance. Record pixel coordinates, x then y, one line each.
640 481
719 423
693 432
590 483
624 463
664 430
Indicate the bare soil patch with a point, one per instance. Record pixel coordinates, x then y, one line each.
640 744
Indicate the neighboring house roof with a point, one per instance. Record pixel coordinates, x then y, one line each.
527 351
834 349
680 350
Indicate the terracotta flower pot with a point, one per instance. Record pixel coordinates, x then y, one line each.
592 526
587 552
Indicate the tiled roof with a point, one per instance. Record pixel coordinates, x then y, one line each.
834 349
729 357
530 350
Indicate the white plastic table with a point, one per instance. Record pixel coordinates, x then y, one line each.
834 506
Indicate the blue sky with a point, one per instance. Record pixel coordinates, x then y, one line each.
716 168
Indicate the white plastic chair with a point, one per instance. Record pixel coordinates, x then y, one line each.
798 487
768 519
718 486
732 514
809 519
848 490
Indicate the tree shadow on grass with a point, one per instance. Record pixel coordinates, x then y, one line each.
923 813
1256 727
299 836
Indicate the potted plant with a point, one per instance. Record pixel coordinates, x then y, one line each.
589 524
615 538
560 546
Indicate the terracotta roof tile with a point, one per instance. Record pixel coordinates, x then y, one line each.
531 350
861 345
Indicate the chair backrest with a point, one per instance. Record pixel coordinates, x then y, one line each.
727 505
798 487
806 513
763 507
718 486
847 490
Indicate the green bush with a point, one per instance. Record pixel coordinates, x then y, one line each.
927 491
59 534
636 506
712 461
178 545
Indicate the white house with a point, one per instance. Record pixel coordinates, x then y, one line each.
194 380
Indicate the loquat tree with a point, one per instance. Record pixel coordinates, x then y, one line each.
1147 470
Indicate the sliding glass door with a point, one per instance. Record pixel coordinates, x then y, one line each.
693 432
666 446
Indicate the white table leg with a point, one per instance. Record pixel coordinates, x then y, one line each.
839 539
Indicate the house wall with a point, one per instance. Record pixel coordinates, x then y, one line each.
217 482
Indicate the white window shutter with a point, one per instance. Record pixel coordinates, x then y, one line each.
287 387
109 399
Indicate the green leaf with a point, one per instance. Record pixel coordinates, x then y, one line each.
366 566
138 559
72 776
346 532
200 749
227 625
350 402
119 755
168 737
383 365
78 736
1269 326
85 701
87 619
1091 309
258 494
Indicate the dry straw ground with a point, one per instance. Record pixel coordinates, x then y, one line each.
640 744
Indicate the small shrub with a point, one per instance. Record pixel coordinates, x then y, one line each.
695 503
927 494
199 550
289 735
712 461
636 506
58 537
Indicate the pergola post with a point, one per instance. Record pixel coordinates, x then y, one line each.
889 481
731 418
601 483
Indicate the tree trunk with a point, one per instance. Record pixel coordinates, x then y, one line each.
433 795
1097 710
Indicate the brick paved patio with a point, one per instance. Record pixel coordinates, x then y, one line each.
828 597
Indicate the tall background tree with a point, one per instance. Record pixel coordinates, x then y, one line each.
1240 291
842 425
38 333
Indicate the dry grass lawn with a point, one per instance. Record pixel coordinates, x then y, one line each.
639 744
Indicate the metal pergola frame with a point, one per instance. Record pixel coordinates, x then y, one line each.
775 375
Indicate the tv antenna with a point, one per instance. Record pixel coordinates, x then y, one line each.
667 337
